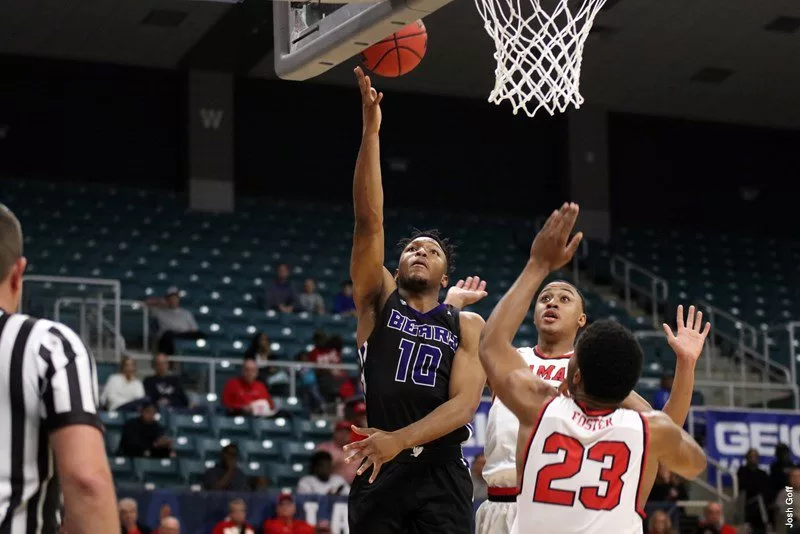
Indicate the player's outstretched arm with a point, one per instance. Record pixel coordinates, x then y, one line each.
370 278
687 344
466 385
673 447
508 375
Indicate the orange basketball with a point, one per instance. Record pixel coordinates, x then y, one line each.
399 53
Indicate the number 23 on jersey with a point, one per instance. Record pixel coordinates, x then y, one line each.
592 497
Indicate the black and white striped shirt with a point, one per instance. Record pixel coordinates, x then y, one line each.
48 380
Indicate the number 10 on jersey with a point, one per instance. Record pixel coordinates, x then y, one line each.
426 362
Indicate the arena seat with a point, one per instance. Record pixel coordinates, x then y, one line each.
262 450
159 471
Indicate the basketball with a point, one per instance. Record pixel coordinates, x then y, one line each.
399 53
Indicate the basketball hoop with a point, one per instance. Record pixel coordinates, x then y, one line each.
539 50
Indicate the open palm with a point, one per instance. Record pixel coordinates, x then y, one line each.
467 292
690 338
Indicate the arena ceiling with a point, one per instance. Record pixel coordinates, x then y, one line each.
722 60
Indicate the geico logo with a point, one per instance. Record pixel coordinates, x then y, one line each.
736 438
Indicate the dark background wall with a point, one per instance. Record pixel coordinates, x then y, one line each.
92 122
128 125
666 171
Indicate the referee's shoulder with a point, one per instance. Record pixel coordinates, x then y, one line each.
41 330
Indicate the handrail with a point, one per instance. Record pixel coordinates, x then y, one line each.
115 286
746 344
212 363
790 328
658 290
582 254
719 469
136 305
739 324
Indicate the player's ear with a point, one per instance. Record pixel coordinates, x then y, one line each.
582 320
445 281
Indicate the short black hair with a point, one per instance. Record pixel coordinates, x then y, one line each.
610 361
570 284
445 244
318 457
10 240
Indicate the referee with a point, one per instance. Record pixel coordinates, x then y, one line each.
50 432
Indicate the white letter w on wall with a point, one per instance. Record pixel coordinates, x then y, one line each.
212 118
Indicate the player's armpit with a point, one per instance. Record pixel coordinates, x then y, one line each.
674 447
85 479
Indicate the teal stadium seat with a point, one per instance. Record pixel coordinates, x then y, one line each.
262 450
232 427
285 476
315 430
299 451
278 427
163 472
122 470
190 425
186 447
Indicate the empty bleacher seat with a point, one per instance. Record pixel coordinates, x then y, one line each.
159 471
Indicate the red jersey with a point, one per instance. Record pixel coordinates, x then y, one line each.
281 526
238 393
229 527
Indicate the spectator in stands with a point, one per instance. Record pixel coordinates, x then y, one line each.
236 522
712 521
275 378
123 391
479 486
668 487
226 475
659 523
173 321
780 468
350 388
143 437
341 437
308 387
343 302
359 420
755 484
328 351
247 395
281 295
322 480
785 500
662 395
309 300
169 525
284 522
164 388
129 518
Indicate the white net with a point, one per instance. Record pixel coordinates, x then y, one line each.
539 50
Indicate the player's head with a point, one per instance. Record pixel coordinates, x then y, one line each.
559 310
426 258
607 363
12 263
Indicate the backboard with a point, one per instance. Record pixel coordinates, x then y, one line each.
312 37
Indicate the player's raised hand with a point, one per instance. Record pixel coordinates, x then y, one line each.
378 448
552 247
466 292
370 102
691 336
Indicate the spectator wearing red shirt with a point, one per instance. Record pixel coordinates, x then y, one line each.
341 437
329 351
360 420
285 523
712 521
236 522
245 394
129 518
